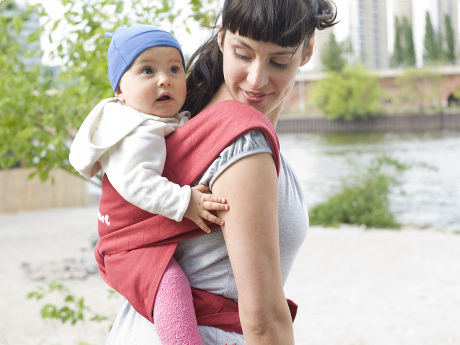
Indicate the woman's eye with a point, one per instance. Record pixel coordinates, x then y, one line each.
239 56
147 70
280 65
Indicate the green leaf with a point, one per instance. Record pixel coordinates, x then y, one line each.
55 25
70 298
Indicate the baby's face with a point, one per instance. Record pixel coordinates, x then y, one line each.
155 82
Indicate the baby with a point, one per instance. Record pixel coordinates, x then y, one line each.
125 136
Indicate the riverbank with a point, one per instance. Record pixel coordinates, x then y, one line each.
353 286
427 194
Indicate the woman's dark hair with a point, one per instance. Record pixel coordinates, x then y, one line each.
286 23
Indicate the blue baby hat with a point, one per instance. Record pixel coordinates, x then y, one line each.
129 41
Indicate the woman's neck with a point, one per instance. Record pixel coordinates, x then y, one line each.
274 115
221 95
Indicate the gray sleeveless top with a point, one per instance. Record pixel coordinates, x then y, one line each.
204 259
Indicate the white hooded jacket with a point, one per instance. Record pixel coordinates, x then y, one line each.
130 148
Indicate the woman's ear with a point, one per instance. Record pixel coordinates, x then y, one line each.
307 54
119 95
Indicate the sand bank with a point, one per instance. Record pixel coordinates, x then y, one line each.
353 286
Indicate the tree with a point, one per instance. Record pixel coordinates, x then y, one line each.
397 59
432 43
409 49
353 93
334 54
24 102
37 122
449 49
403 51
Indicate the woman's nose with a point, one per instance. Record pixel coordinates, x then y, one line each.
257 75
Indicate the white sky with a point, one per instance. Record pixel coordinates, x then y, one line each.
55 10
191 42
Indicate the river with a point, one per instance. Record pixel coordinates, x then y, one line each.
424 197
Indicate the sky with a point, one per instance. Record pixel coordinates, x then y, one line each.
191 42
55 10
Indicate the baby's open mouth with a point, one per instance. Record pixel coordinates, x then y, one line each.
164 98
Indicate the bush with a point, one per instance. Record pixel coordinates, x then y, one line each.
364 202
352 93
73 309
364 199
62 306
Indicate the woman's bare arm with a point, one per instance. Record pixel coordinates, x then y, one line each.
251 235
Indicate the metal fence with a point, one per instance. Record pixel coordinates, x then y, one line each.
374 124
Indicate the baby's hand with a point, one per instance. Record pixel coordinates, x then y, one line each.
200 204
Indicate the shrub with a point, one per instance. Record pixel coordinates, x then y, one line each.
364 199
353 93
363 202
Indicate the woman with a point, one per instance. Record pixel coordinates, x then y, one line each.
253 59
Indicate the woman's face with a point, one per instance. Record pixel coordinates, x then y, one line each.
257 73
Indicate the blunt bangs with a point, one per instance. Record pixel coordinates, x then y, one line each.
286 23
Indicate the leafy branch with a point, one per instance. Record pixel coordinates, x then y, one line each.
73 309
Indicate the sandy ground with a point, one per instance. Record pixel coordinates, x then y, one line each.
353 286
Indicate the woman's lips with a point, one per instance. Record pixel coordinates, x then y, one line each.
254 97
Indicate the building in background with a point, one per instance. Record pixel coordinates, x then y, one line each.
370 26
415 12
401 9
364 23
368 32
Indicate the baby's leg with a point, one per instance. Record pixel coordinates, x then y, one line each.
173 313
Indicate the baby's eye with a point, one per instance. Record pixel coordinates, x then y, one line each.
147 70
174 69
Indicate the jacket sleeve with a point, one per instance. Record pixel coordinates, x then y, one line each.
84 155
134 167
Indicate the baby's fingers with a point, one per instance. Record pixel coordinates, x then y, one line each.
213 198
201 188
214 206
212 218
203 226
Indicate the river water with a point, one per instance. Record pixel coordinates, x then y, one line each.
424 197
